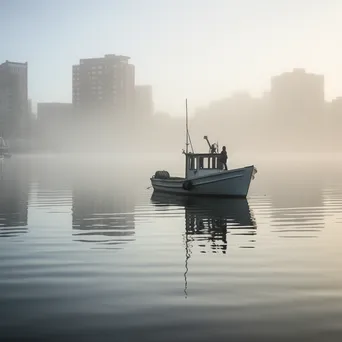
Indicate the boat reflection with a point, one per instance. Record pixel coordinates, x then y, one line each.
209 220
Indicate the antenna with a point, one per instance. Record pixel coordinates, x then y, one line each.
186 127
188 138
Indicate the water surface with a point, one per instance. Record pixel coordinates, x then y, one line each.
88 252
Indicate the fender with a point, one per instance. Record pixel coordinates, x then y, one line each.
188 185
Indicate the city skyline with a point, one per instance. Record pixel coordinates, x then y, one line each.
34 104
105 95
244 44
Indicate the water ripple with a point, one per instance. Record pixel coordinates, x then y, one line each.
94 258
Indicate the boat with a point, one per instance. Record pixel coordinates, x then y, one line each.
204 175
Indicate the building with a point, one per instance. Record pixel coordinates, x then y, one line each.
53 116
333 119
14 117
47 111
335 106
297 94
297 108
54 124
143 101
104 85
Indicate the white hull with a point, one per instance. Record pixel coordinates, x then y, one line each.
231 183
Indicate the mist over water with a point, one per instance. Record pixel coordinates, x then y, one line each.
93 102
87 251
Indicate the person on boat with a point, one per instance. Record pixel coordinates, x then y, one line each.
223 157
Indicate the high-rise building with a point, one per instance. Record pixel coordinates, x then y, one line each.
104 84
297 108
143 101
297 94
14 117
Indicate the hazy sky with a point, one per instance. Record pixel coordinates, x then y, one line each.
200 49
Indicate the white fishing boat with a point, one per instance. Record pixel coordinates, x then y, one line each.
204 175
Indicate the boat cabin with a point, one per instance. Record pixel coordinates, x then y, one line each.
201 164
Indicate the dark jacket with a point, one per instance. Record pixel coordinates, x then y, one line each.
223 156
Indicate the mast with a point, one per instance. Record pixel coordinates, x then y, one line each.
186 127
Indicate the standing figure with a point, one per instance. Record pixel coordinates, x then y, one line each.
223 157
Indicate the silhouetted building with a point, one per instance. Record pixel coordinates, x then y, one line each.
53 110
104 85
14 117
333 122
54 121
143 101
297 94
29 107
224 120
297 108
335 106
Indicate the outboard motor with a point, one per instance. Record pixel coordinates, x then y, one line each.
162 175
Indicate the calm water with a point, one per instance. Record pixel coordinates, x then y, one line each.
87 253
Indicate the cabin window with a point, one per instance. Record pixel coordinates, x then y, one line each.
214 162
192 163
208 162
201 162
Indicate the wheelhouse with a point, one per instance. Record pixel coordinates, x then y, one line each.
201 164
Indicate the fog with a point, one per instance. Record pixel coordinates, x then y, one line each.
259 77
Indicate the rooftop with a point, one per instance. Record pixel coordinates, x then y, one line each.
112 57
296 72
9 63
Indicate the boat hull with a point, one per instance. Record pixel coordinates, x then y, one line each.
231 183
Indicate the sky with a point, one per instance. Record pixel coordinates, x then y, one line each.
202 50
